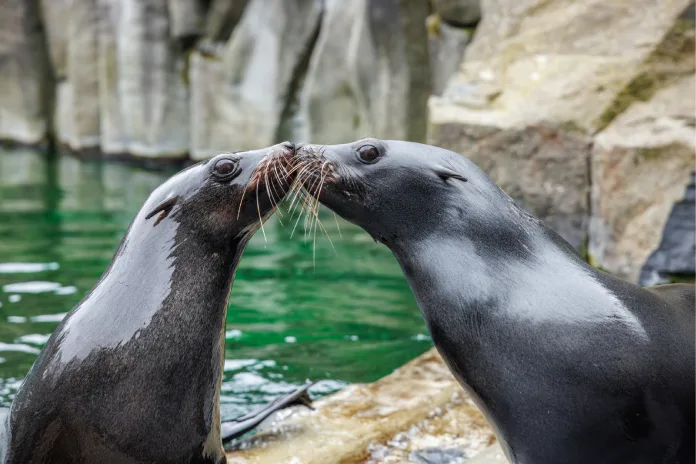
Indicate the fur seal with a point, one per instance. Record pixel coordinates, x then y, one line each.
133 373
568 363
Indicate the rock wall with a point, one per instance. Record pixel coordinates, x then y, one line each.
179 78
26 83
582 110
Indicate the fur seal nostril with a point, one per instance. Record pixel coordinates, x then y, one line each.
133 372
570 364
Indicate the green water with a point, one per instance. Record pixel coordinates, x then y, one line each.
297 311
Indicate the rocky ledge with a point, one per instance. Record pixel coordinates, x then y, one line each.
417 414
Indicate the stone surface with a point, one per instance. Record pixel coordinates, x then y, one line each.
259 66
62 115
55 16
538 81
207 76
492 455
459 12
451 433
640 166
152 82
223 16
562 61
186 20
419 403
543 168
25 78
447 45
370 67
113 136
674 258
83 75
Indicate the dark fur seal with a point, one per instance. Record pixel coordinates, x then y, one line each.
133 372
570 364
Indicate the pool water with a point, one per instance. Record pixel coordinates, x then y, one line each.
298 311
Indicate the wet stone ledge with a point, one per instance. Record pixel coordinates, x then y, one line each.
418 414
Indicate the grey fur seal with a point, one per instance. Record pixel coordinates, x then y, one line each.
133 373
568 363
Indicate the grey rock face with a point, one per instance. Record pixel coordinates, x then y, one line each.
447 45
459 12
248 89
152 82
113 136
55 16
222 18
438 456
83 75
26 87
674 258
369 73
544 168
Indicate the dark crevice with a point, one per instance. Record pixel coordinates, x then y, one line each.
286 129
49 82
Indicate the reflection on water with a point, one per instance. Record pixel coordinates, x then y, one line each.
345 315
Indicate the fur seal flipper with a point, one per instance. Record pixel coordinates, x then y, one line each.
243 424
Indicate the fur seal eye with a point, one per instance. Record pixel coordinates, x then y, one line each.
368 153
224 168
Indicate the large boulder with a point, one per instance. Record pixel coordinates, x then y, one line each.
641 164
369 72
26 85
152 81
245 96
538 80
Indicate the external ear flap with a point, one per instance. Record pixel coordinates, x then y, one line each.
446 173
164 208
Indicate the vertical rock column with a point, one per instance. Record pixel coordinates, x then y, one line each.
83 75
26 84
369 74
113 136
207 75
152 82
55 16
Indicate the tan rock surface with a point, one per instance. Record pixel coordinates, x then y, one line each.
421 394
539 80
640 166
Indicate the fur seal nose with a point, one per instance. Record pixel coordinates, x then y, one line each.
289 145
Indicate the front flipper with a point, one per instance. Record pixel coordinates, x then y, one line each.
237 427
